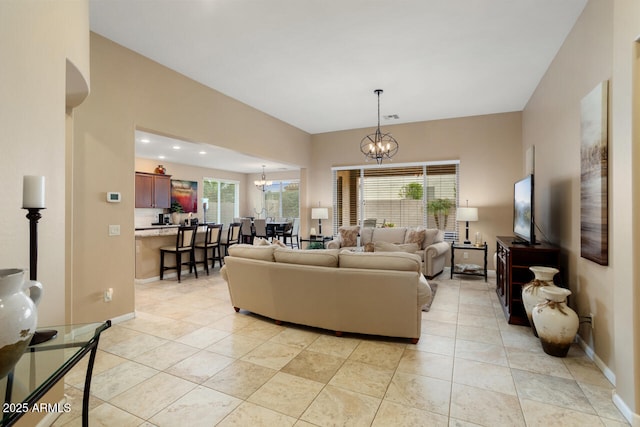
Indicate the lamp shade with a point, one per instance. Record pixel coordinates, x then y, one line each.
319 213
467 214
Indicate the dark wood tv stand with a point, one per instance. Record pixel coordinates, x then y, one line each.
512 272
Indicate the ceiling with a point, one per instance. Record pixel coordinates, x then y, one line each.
171 150
315 63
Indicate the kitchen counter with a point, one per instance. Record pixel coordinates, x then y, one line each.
149 240
156 230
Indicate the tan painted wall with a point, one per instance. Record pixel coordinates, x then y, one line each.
551 122
36 39
128 92
488 147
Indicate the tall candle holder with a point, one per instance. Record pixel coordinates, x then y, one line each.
34 216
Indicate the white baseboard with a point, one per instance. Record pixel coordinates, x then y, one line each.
123 318
599 363
634 419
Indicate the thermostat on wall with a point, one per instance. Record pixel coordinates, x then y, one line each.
113 197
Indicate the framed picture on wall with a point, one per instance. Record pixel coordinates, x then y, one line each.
186 194
594 219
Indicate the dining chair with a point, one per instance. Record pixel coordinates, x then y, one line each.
232 237
291 233
185 244
260 228
247 231
211 242
369 223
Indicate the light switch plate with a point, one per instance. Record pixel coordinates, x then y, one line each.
114 230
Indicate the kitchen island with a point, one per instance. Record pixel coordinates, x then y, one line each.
149 240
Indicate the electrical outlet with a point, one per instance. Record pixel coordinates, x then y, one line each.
114 230
108 295
465 255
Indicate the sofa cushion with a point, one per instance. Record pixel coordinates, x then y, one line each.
433 235
349 235
389 235
259 241
399 261
263 253
319 257
392 247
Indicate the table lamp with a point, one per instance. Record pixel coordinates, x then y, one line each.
467 214
319 214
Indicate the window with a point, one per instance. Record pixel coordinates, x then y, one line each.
399 195
223 200
282 199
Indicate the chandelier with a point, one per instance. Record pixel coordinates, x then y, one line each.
262 183
379 146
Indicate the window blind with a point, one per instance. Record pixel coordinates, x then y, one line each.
400 195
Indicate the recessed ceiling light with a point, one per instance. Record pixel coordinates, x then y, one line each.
203 152
176 147
161 157
145 140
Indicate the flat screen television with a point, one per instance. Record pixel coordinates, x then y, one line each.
523 208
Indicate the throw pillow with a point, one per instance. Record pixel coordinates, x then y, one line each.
259 241
416 236
349 235
369 247
278 243
392 247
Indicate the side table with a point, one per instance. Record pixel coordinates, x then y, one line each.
462 269
43 365
317 239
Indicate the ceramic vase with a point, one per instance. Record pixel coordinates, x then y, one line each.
556 323
18 316
531 295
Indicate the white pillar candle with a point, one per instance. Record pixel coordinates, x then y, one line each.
33 192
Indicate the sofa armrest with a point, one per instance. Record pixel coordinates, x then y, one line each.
437 249
333 244
223 273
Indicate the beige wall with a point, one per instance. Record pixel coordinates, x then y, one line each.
130 92
37 38
42 44
489 149
551 122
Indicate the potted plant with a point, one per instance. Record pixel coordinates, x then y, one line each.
438 207
176 210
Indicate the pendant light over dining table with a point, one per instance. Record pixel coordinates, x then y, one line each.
379 146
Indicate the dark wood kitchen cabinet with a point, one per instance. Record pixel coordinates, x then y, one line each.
512 273
153 190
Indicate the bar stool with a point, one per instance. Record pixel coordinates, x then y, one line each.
232 237
211 241
185 244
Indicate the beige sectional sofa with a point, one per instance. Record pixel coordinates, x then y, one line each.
431 247
342 291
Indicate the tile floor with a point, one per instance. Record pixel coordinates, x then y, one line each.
188 359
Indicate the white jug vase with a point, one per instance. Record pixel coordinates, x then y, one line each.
556 322
531 295
18 316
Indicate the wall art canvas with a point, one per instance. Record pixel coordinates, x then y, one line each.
186 194
594 221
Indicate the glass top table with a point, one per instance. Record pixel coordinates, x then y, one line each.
43 365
